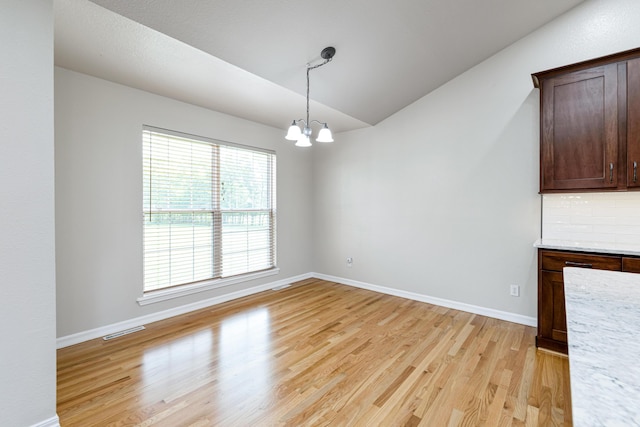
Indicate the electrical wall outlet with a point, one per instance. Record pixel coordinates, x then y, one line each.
515 290
349 262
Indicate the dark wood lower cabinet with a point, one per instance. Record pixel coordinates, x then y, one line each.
631 265
552 321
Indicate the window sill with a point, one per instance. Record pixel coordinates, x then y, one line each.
177 292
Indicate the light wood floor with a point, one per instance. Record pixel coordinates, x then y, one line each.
316 354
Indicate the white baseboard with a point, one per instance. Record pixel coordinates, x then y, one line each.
176 311
489 312
154 317
51 422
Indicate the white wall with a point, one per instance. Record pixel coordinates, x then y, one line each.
99 196
27 258
441 198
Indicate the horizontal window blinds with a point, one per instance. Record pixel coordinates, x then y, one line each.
209 209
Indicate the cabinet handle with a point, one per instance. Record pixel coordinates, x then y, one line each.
635 171
610 172
577 264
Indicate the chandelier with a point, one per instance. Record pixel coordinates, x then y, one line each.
303 136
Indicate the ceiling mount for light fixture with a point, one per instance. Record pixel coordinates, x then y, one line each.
303 137
328 52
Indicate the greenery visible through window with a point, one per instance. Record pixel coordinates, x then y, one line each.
209 209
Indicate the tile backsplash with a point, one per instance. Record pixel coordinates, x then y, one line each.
592 217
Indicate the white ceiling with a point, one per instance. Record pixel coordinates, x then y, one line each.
248 58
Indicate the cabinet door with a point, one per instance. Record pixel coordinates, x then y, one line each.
633 123
579 130
551 309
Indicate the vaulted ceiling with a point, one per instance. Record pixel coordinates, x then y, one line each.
248 58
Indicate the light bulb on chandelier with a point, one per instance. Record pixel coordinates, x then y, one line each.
303 136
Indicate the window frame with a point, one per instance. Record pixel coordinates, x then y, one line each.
178 290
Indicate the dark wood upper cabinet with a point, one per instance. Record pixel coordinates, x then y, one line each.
579 139
633 123
590 125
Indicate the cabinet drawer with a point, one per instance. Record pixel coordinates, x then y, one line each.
631 265
556 261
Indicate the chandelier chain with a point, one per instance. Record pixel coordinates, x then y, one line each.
309 68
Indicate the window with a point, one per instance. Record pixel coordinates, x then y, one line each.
209 209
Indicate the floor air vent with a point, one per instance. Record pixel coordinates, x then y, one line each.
121 333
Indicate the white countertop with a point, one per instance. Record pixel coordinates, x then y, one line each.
603 322
585 246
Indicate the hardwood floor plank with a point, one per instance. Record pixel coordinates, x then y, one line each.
393 387
317 353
